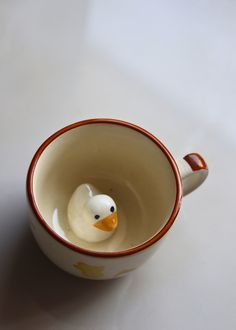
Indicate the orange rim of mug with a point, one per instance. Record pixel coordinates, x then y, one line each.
138 248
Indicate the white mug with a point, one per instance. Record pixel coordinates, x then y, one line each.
124 161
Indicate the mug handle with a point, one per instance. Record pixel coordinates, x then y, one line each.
193 171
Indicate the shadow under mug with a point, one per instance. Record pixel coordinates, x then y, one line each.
127 163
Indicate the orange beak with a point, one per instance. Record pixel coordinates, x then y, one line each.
108 224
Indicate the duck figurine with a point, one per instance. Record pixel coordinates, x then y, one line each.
92 216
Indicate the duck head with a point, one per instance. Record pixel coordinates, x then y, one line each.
102 212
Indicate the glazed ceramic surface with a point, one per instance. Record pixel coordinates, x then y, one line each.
126 163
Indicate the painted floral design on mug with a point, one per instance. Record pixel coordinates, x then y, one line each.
89 270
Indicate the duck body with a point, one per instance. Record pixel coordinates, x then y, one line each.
92 216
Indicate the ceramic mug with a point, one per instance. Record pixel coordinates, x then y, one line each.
124 161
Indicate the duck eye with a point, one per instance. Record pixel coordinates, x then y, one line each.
112 209
97 216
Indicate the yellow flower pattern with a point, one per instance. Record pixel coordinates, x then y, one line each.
90 270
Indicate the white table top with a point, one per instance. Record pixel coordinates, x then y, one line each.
168 66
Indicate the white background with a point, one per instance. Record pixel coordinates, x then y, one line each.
168 66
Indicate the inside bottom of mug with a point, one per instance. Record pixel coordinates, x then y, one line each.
118 161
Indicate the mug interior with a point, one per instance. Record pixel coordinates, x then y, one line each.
119 161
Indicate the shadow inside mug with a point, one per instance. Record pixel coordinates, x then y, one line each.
36 292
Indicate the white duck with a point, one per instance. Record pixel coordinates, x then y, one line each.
92 215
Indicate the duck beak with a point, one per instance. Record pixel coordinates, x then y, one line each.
108 224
